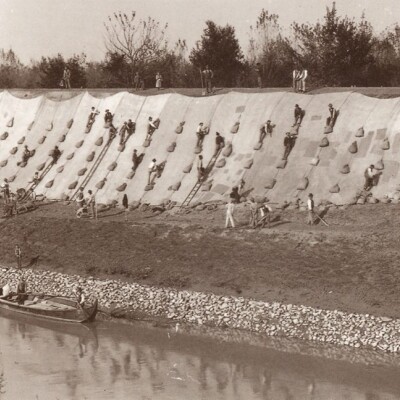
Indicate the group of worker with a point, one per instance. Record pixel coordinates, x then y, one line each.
86 205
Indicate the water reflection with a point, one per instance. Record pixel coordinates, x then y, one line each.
41 360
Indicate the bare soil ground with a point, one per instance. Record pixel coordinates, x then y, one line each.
352 265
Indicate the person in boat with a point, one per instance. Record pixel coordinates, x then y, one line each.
80 297
5 291
21 291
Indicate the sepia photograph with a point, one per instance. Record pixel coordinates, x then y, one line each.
199 199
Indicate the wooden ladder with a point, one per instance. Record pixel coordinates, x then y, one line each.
198 184
95 165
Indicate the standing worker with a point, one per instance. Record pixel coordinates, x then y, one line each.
230 208
310 209
208 76
18 255
67 78
5 187
258 70
136 81
158 81
91 202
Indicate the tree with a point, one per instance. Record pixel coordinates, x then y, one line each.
139 42
51 70
338 51
10 69
269 52
220 50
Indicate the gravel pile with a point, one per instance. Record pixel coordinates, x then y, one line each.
272 319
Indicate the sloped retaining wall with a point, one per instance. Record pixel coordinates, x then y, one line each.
271 319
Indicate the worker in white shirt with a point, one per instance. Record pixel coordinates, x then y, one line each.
310 208
152 169
230 208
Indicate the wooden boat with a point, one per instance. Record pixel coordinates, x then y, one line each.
51 307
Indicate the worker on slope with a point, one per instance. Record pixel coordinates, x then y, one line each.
152 169
108 117
369 174
92 117
200 168
265 130
298 115
135 160
122 132
234 195
151 127
330 121
200 133
55 154
130 129
219 143
288 143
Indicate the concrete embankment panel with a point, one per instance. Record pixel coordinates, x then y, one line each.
366 132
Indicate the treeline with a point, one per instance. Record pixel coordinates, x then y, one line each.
338 51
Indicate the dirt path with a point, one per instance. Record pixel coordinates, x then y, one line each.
353 265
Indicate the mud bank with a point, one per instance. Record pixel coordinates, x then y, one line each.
196 308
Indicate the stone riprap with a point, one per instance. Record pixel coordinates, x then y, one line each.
271 319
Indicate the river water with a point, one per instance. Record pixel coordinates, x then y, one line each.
41 360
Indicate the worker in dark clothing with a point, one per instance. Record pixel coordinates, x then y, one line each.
135 160
330 121
55 154
288 143
258 70
108 117
265 130
298 115
21 291
369 175
208 76
92 117
26 155
122 133
219 143
234 195
112 133
130 128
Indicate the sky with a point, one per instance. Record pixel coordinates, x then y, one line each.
35 28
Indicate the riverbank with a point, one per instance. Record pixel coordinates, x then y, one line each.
352 265
313 283
334 328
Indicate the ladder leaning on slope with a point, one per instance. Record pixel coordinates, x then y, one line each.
29 190
92 170
199 182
